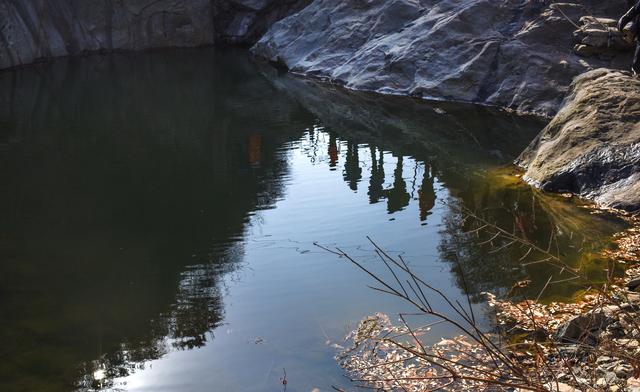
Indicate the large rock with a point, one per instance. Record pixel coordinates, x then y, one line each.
513 53
592 147
584 328
35 29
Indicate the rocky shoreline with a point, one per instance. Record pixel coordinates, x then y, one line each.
592 344
589 345
519 55
554 60
591 148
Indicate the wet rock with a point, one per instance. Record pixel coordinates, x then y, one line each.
515 53
592 147
32 29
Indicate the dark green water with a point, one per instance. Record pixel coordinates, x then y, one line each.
159 212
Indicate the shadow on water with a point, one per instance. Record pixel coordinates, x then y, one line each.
131 180
127 191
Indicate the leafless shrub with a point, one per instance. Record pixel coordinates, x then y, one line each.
476 358
527 354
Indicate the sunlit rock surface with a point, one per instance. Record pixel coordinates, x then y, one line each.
32 29
517 54
592 147
600 37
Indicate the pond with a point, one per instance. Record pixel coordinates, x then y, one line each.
159 214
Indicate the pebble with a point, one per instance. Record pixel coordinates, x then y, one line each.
623 370
565 388
608 379
628 343
634 284
633 384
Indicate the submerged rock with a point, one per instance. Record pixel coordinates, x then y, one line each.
592 147
32 29
516 54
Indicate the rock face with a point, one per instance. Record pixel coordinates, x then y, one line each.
35 29
516 54
592 147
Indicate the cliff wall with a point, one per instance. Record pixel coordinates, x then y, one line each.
31 30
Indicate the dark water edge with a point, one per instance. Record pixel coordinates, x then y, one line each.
154 202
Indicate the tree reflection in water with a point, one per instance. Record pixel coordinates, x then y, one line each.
427 193
352 170
497 195
376 179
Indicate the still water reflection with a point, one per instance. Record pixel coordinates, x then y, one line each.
159 212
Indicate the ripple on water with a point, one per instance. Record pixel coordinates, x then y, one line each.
154 232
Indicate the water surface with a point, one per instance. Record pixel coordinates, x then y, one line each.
159 212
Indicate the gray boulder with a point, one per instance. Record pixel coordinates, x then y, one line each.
584 328
31 30
517 54
592 147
